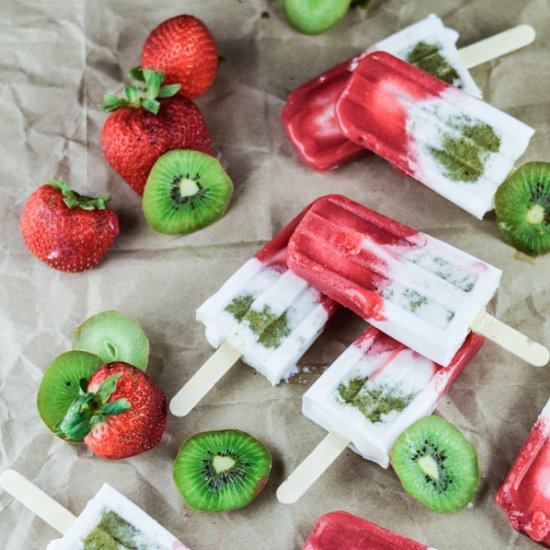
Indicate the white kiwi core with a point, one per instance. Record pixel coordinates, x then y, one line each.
535 214
223 463
188 187
429 466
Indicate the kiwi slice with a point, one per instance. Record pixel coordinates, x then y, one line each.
436 465
185 191
314 16
221 470
522 205
61 383
113 337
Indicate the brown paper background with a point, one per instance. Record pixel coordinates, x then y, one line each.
57 59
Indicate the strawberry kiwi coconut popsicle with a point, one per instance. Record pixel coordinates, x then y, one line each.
263 313
421 291
456 144
308 115
525 494
344 531
372 393
109 521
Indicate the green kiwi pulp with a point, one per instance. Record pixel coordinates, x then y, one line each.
522 206
185 191
436 465
221 470
61 383
314 16
113 337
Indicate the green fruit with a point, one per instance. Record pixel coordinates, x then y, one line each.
61 383
222 470
436 465
522 205
185 191
113 337
314 16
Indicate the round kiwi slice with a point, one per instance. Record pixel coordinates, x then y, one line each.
314 16
436 465
113 337
185 191
61 383
222 470
522 206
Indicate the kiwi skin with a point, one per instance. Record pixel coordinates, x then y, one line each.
186 191
314 16
436 465
522 207
204 488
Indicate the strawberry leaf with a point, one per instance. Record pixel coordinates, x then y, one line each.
137 74
151 105
72 199
132 93
107 387
153 81
76 422
152 90
116 407
169 90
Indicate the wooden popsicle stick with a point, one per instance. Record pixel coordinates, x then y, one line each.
37 501
204 380
496 46
313 466
510 339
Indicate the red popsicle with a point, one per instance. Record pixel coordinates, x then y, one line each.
525 494
344 531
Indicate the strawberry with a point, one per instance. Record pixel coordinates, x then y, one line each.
68 231
184 50
121 413
141 129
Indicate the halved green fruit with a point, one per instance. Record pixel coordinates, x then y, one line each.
60 385
522 206
221 470
113 337
186 191
436 465
314 16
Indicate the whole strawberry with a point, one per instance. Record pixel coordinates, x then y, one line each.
184 50
66 230
141 129
122 413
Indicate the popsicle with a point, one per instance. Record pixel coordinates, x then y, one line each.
419 290
372 393
109 521
456 144
263 313
308 115
525 494
342 530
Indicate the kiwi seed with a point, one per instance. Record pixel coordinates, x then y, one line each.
113 337
522 205
185 191
436 465
221 470
61 384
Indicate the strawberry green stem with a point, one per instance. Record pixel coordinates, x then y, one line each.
89 409
142 97
73 199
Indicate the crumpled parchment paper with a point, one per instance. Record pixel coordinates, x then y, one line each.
57 59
